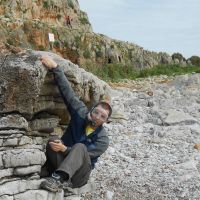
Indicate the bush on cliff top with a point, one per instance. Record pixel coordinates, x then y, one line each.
116 72
195 60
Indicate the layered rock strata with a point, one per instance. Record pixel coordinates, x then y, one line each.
31 109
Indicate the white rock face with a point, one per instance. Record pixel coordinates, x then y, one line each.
39 194
27 170
6 173
17 158
19 186
13 121
6 197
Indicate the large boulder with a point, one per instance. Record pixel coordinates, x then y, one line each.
31 109
28 88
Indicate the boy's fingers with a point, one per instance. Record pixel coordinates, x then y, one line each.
56 149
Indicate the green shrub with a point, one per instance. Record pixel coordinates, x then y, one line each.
54 30
9 41
65 43
59 16
56 43
178 56
84 20
169 70
195 60
41 48
77 40
71 4
115 72
46 4
99 54
86 54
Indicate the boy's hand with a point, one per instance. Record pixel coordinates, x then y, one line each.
48 62
57 146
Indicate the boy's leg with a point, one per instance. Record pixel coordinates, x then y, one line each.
77 165
53 161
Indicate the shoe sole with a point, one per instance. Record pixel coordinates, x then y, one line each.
44 186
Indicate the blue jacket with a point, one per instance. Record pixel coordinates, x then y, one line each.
97 142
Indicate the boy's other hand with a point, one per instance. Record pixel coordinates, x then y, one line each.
57 146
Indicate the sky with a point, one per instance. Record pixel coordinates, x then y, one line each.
156 25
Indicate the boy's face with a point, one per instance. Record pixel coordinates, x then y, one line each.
99 115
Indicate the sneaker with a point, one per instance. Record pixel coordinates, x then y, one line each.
52 184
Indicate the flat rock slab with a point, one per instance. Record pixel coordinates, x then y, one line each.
13 122
19 186
177 117
23 157
39 195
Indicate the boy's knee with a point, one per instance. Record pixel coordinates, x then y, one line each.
80 146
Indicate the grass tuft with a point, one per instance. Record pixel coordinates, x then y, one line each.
116 72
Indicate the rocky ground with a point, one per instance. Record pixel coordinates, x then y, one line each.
154 152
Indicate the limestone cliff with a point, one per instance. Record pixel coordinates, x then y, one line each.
31 109
26 23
